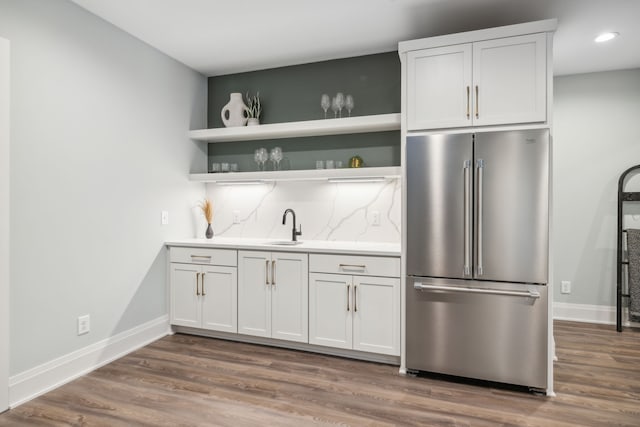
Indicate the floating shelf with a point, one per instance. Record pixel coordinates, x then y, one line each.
359 124
392 172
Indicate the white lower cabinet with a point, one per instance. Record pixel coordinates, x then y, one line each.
350 302
273 295
355 312
204 295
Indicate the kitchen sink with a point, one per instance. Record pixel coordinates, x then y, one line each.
285 243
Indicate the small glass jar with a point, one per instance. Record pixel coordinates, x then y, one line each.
319 164
224 167
215 167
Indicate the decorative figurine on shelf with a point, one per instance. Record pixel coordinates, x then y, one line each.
235 113
207 210
254 109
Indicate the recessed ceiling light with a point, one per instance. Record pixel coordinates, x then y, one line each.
605 37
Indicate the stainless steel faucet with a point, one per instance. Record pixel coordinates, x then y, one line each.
294 233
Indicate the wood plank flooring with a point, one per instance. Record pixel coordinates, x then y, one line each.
184 380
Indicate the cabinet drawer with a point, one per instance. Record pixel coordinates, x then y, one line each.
204 256
354 264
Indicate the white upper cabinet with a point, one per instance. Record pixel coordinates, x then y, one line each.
439 82
478 78
509 80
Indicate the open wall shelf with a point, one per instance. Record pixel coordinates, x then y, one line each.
356 174
347 125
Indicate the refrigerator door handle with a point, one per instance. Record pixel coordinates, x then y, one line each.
529 294
480 168
467 217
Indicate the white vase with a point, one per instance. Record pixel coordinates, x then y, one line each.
253 121
235 113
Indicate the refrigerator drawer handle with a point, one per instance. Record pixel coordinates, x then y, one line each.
529 294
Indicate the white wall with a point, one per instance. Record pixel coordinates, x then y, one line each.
597 137
4 223
327 211
98 149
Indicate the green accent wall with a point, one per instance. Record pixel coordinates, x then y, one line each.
290 94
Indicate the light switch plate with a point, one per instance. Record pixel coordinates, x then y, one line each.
565 287
236 217
164 218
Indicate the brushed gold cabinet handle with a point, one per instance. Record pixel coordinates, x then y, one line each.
468 89
273 272
352 266
198 284
266 272
348 296
477 109
202 281
355 298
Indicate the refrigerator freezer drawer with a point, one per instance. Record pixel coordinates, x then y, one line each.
483 330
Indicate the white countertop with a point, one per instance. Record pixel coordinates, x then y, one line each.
320 246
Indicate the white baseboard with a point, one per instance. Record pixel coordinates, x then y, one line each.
590 313
43 378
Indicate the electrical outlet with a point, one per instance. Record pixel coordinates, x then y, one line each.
375 218
565 287
84 324
164 218
236 217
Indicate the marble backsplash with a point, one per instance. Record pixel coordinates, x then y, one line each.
326 211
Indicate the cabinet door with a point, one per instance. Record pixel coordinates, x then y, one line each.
185 303
439 87
289 296
254 293
376 314
330 320
219 298
510 77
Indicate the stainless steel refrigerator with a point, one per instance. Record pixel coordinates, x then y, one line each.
477 255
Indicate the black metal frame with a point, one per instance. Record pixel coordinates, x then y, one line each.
623 196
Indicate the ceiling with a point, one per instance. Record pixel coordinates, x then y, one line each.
218 37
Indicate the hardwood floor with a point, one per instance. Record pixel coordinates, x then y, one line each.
186 380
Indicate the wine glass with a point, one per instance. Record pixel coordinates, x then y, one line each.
334 107
348 102
276 156
260 156
340 102
325 103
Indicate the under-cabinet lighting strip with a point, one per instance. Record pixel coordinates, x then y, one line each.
359 179
248 182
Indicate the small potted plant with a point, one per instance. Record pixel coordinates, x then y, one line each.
254 109
207 210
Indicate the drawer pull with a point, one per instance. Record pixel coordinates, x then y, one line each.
198 284
202 256
202 281
352 266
